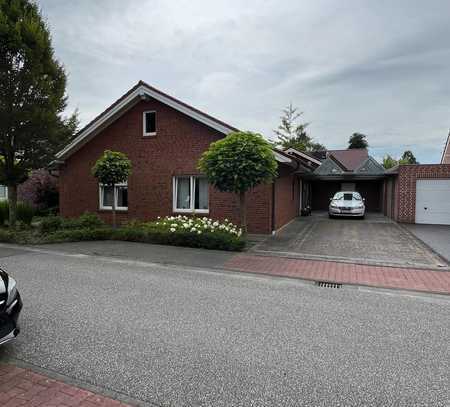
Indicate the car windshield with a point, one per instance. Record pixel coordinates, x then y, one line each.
347 196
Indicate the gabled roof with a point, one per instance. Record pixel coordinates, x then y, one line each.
445 159
351 158
370 166
330 167
138 92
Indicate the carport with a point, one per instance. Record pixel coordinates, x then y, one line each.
345 170
323 188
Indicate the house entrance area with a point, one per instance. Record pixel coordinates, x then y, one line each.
375 240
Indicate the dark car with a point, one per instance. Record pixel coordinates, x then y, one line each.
10 307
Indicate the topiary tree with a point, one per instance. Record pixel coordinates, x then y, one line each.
240 161
112 168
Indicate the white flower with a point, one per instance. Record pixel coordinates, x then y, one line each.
172 230
174 225
157 223
159 217
193 230
199 232
225 220
216 224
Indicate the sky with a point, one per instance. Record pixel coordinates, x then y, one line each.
380 67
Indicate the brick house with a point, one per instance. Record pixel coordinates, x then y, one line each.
164 138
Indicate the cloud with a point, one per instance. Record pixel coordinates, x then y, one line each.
381 68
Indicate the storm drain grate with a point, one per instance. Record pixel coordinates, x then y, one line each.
327 284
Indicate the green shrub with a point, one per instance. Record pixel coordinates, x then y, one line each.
4 212
6 236
90 221
76 235
25 213
85 221
184 231
177 231
50 224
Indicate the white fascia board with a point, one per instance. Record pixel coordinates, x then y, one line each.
281 158
140 92
305 156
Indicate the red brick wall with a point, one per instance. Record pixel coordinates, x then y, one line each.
406 187
287 196
175 150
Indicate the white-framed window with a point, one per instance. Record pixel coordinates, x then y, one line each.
190 194
3 192
149 123
120 195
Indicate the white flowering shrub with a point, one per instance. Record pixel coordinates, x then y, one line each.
185 231
197 226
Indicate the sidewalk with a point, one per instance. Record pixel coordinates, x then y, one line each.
345 273
22 387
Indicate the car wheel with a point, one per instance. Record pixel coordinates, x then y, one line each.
330 216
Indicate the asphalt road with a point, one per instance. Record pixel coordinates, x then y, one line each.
174 336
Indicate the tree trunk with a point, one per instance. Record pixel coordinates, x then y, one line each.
12 201
243 211
114 207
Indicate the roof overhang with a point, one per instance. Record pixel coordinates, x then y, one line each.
343 177
141 92
283 158
307 157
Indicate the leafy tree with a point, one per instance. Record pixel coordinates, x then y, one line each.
240 161
293 134
389 161
408 158
112 168
357 140
32 97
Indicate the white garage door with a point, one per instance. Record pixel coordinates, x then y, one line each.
433 201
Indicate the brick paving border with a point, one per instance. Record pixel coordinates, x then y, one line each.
22 387
344 273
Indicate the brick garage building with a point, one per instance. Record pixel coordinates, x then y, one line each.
164 138
422 193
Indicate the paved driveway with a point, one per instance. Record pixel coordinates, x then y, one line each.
174 336
375 240
435 236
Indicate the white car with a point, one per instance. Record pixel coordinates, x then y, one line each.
347 203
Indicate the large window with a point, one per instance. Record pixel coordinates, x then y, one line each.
190 194
120 195
149 123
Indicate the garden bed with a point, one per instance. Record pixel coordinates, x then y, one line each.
174 230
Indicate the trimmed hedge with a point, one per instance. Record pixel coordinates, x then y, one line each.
55 229
88 220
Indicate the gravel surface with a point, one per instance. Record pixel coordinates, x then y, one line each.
182 337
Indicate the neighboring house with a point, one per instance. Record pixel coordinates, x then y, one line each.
3 193
445 159
164 139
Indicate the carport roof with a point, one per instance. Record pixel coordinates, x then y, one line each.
352 158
